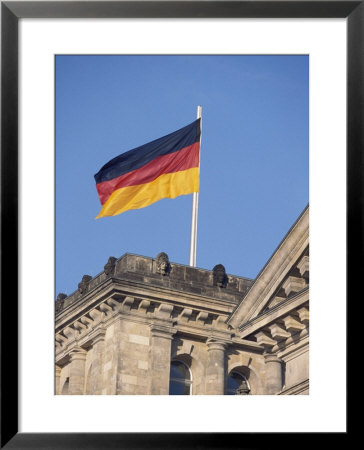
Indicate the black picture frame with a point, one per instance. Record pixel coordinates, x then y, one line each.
11 12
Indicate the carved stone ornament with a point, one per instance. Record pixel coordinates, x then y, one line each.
109 267
162 263
60 302
219 276
82 286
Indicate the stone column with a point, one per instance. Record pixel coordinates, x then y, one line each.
273 374
57 376
98 348
215 371
160 358
77 371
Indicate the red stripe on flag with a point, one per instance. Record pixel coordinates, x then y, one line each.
183 159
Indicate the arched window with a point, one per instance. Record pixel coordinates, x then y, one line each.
180 380
237 384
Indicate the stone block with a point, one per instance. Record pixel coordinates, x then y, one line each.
293 284
304 266
143 364
136 339
292 325
195 275
304 315
202 317
220 323
143 380
128 389
96 316
263 339
127 304
143 264
276 300
107 366
129 379
143 306
141 390
109 332
185 315
127 262
164 311
177 272
278 332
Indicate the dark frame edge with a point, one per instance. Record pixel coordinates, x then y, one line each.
184 9
10 438
355 140
164 441
9 222
355 162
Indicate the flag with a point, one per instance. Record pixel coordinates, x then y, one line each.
164 168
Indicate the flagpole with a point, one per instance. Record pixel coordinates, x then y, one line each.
193 244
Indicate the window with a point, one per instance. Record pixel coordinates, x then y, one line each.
180 382
237 384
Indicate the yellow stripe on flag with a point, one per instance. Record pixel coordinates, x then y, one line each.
168 185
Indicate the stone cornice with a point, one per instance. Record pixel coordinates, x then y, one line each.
92 297
244 344
87 325
114 287
292 349
163 331
292 246
166 293
98 335
275 313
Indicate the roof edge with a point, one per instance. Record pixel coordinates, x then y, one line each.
246 308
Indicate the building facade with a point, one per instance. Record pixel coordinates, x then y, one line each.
147 326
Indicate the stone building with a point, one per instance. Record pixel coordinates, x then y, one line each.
150 326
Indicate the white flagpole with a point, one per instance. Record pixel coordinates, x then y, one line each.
193 244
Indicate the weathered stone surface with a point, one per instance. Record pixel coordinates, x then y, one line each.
274 375
119 331
77 372
216 369
293 284
140 269
160 359
304 266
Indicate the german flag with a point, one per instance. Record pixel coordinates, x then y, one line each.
164 168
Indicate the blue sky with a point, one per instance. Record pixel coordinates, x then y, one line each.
254 156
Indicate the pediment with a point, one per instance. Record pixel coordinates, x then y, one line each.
294 282
285 274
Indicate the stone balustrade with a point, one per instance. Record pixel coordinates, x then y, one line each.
139 268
